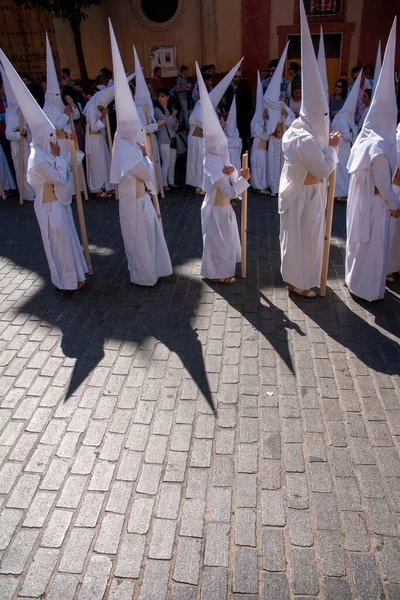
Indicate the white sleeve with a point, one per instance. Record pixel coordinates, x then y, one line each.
75 113
383 181
13 136
229 190
143 170
151 128
316 161
62 122
53 174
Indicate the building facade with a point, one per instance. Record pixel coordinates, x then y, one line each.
176 32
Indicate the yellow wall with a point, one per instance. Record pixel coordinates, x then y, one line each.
281 14
229 33
354 14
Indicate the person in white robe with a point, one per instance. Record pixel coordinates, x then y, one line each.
344 123
195 144
221 241
394 243
372 201
258 156
280 117
235 143
57 112
48 174
310 157
145 246
6 178
14 135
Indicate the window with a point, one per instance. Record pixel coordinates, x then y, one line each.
159 12
322 8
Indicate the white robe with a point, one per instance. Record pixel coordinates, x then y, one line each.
302 211
60 239
258 159
275 158
195 151
28 192
394 243
235 145
342 175
151 129
221 241
98 160
144 241
368 225
6 178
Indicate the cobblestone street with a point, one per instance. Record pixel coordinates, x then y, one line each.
194 441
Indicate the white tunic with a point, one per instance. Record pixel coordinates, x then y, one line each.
144 241
6 177
151 129
28 192
195 151
258 158
60 239
98 159
342 175
235 151
394 244
302 210
368 224
275 158
221 241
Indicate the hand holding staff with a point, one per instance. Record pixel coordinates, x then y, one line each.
79 204
21 159
154 196
155 155
110 146
245 164
334 141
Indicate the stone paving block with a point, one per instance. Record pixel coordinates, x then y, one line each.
273 512
365 576
90 510
217 545
110 533
304 572
139 521
300 530
192 518
388 553
162 539
63 586
23 447
68 445
8 475
245 527
155 581
130 556
331 554
149 479
120 496
76 551
297 490
72 492
129 465
187 562
122 589
381 517
17 555
56 529
8 585
246 490
38 576
273 555
24 491
214 583
275 585
245 572
101 477
95 581
168 504
55 475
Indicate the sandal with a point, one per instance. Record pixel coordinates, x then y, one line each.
174 187
103 194
81 284
167 189
390 278
265 192
227 280
303 293
341 199
198 192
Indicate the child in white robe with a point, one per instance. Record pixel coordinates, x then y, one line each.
221 241
144 242
258 156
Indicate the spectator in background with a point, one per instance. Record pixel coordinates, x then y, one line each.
338 99
367 95
66 78
35 90
232 87
284 96
108 77
244 107
205 70
295 74
366 84
165 114
156 79
182 89
295 99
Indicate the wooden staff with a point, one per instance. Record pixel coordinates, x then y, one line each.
110 146
154 196
245 164
155 155
328 231
81 171
79 206
21 159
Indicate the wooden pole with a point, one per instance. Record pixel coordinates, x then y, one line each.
245 164
79 206
81 171
154 196
328 231
155 155
110 146
21 159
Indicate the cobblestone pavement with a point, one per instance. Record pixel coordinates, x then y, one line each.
192 441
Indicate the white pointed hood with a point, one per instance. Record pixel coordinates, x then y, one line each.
314 109
378 66
348 110
378 133
220 89
258 118
12 110
105 96
53 104
322 63
41 127
216 153
231 129
272 95
142 93
126 153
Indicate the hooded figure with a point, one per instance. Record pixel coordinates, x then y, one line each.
372 200
309 160
394 244
221 242
232 135
48 174
144 242
322 63
378 66
279 118
13 134
344 123
56 111
258 158
194 166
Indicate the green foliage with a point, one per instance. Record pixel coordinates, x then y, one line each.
67 10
